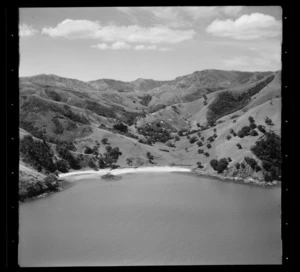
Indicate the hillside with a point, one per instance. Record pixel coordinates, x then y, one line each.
188 121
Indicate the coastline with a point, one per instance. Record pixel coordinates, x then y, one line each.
162 169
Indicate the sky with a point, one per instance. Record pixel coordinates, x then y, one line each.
161 43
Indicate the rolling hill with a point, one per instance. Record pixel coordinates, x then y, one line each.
170 120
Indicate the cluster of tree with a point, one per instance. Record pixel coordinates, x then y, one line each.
64 150
220 165
110 157
228 102
29 190
268 150
37 153
156 132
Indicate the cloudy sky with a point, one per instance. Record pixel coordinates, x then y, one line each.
162 43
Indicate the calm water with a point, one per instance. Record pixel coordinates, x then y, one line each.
152 218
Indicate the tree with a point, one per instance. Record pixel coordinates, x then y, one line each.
121 127
214 164
268 150
206 154
244 131
251 120
193 139
199 143
228 137
229 159
237 165
222 165
239 145
254 133
104 141
208 146
62 166
200 151
268 121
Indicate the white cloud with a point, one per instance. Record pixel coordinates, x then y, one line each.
100 46
27 31
246 27
123 45
182 17
85 29
120 45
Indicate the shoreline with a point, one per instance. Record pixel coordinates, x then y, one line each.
167 169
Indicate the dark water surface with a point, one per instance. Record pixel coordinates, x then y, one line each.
152 218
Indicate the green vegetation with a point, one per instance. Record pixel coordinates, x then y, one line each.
228 102
220 165
37 153
199 165
150 157
268 121
29 190
121 127
268 150
252 162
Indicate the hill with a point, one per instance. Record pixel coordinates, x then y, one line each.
192 120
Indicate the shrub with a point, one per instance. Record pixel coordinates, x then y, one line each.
268 121
261 128
239 146
177 138
215 135
254 133
206 154
228 137
199 165
237 165
231 131
200 151
229 159
208 145
243 165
